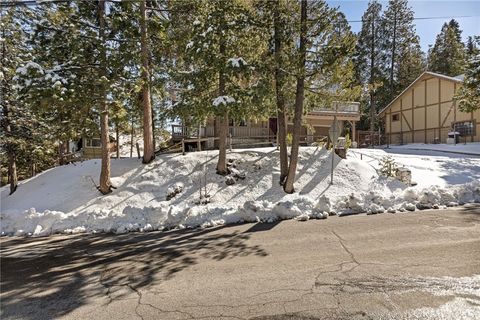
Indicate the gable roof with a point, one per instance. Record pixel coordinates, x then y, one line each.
433 74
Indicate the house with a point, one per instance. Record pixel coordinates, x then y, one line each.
248 133
91 147
426 112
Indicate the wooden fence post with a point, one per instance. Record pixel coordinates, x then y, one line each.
230 142
183 146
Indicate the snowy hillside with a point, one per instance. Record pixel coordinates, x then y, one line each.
64 199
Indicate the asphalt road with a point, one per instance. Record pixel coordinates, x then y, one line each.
421 265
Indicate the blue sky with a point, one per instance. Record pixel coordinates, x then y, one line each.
426 29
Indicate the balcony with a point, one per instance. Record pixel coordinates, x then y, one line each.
343 111
180 132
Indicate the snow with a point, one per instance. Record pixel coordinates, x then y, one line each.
29 65
472 148
236 62
65 200
223 100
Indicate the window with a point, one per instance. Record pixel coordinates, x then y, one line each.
465 128
396 117
93 143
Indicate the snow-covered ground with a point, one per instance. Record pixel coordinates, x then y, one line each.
470 148
64 199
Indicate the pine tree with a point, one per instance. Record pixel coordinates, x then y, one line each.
403 54
217 80
448 54
370 60
299 99
148 144
469 94
281 40
324 71
23 140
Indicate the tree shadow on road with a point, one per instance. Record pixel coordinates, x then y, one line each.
45 278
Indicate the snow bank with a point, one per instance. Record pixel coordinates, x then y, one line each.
469 148
165 194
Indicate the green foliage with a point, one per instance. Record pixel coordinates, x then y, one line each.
388 166
289 139
468 96
395 50
348 141
448 54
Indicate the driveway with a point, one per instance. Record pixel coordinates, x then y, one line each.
420 265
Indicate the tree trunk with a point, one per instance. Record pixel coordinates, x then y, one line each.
12 171
148 149
132 130
105 184
279 86
392 66
222 122
299 97
12 163
372 83
117 136
222 144
61 153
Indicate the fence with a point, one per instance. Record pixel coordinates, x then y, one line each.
435 135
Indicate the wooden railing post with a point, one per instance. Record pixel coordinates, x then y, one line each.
183 146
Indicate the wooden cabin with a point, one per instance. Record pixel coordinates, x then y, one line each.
248 132
426 112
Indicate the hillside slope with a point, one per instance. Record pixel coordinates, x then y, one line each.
64 199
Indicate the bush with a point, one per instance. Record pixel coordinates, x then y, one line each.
348 141
289 139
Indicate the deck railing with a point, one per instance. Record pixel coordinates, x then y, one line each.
179 131
340 108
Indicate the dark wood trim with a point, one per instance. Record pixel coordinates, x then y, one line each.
413 115
406 121
454 103
439 106
390 127
425 84
401 111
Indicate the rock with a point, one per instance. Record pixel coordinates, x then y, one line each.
409 207
302 217
435 206
391 210
240 176
423 206
452 204
230 181
174 190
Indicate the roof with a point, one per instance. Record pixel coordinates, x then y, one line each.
458 79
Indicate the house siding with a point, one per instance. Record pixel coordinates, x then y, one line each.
427 112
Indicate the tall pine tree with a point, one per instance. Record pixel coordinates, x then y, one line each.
403 55
448 54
